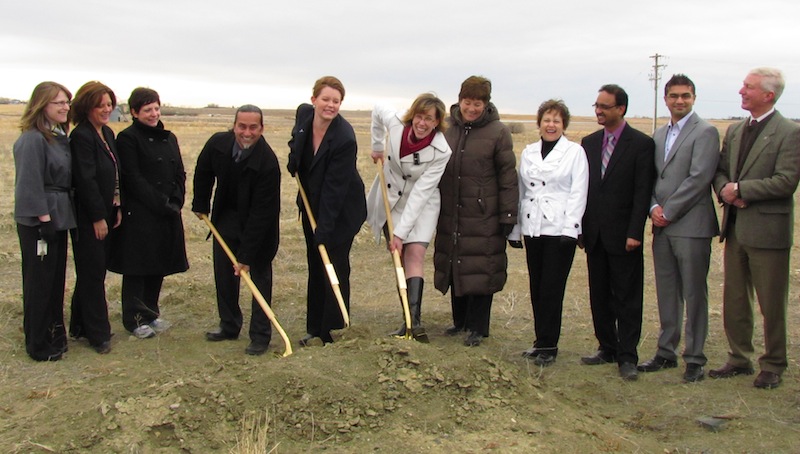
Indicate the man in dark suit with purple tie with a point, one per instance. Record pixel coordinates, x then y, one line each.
620 185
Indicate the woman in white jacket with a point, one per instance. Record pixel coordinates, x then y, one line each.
553 183
416 154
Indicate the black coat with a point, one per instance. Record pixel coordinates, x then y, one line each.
617 205
334 188
258 194
93 174
150 239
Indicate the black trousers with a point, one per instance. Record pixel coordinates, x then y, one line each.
140 300
616 283
230 313
322 310
89 316
43 294
471 312
549 263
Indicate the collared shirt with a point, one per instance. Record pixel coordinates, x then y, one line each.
761 118
673 131
616 133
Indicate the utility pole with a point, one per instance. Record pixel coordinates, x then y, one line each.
655 76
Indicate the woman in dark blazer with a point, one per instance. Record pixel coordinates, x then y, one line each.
323 152
43 212
95 167
149 243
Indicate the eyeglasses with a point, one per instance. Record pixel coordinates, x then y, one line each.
61 103
603 106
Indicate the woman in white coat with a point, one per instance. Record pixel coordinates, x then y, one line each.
414 154
553 183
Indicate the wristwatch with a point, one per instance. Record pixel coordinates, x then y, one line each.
736 188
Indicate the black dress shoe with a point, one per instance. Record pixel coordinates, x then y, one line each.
103 347
657 363
694 373
256 349
43 358
767 380
219 335
474 339
628 372
729 370
600 357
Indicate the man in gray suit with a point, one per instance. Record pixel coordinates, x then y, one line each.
684 221
756 178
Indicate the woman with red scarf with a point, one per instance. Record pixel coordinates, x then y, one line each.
414 154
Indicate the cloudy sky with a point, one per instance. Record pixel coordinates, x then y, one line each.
270 53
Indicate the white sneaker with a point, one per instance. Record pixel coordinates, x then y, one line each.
160 325
144 332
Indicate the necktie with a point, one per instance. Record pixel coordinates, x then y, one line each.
607 152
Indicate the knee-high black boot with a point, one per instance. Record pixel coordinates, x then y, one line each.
415 286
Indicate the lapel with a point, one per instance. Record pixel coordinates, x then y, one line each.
594 151
733 149
324 145
111 152
396 138
685 132
762 141
660 138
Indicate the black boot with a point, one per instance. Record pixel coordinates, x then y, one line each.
415 285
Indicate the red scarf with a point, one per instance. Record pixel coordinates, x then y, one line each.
411 144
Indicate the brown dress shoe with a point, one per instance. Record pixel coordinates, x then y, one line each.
767 380
729 370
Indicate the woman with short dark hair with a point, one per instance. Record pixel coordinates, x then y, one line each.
149 243
553 185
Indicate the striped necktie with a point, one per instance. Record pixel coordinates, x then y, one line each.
607 152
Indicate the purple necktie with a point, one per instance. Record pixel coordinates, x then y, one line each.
607 152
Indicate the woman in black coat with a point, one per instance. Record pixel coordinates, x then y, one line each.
323 152
95 170
149 243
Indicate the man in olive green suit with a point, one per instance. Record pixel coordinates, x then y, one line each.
756 178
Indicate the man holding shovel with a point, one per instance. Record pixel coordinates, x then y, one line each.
246 213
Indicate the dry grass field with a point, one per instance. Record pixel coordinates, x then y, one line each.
367 392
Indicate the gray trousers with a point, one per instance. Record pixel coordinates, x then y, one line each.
681 269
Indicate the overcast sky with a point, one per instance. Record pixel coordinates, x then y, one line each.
270 53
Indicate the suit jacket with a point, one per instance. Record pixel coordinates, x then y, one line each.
618 203
767 183
682 184
94 173
334 188
258 194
